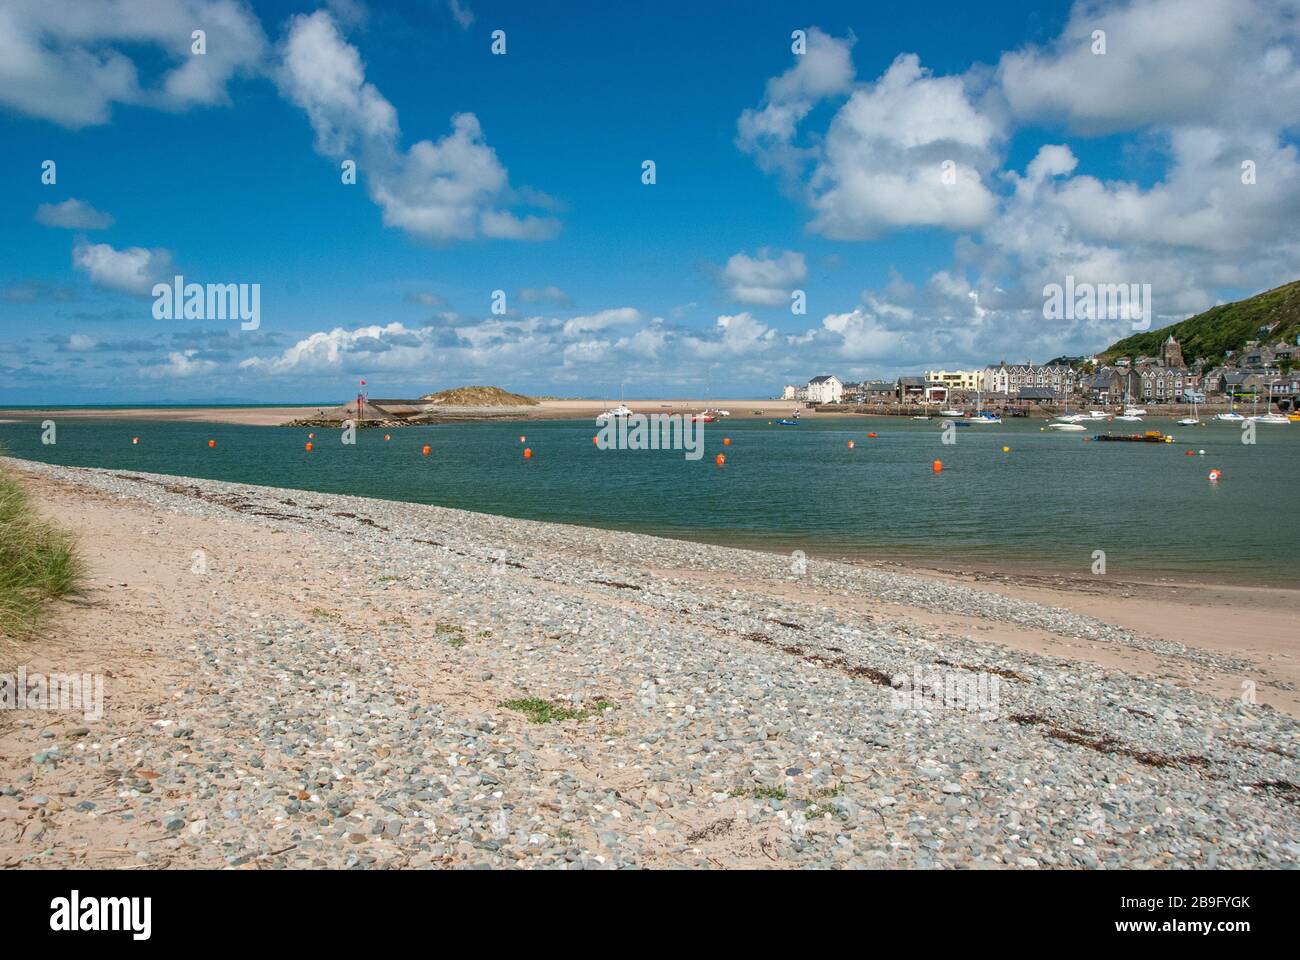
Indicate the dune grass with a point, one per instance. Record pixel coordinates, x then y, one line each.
39 563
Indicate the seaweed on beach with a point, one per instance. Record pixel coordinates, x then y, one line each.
1103 743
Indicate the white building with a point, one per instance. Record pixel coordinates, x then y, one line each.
825 389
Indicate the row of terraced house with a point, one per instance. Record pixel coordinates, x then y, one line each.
1258 371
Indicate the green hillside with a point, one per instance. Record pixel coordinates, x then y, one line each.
1216 331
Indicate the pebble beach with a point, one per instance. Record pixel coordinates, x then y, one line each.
298 679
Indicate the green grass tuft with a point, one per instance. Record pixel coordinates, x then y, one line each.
547 711
39 563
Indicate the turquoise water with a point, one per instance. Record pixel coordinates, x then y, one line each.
1048 504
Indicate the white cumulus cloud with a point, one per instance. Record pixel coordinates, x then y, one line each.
133 270
454 188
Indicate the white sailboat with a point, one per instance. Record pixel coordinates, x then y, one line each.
1191 420
1270 417
615 413
979 416
1232 415
1131 414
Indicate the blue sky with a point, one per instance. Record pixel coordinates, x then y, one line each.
776 171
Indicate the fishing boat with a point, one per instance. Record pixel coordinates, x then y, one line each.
1151 436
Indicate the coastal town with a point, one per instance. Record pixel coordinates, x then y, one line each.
1265 373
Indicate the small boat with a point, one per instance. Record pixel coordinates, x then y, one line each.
1191 419
1134 412
617 413
920 418
1130 417
984 418
1151 436
1098 415
705 417
1270 417
788 423
952 413
1232 416
1067 427
1293 417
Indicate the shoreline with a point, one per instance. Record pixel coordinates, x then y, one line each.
345 681
287 414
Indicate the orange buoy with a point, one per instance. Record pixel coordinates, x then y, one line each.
309 446
1214 475
528 453
212 443
311 436
595 439
425 450
726 441
135 439
387 437
720 459
850 444
872 435
937 466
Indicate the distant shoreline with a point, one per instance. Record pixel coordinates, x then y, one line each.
278 415
285 414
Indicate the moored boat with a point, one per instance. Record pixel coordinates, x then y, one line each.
1151 436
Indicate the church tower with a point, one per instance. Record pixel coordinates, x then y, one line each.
1171 354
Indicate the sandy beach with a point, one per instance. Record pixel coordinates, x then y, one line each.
301 679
